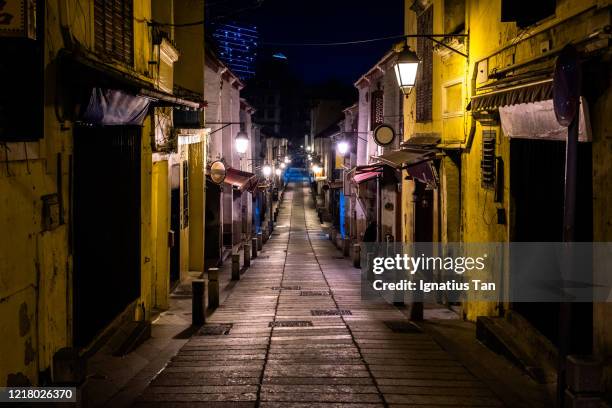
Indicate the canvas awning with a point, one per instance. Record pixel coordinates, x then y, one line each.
525 93
241 180
364 173
400 159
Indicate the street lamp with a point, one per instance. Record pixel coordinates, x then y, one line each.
242 142
277 172
283 165
406 67
266 170
343 147
316 168
287 160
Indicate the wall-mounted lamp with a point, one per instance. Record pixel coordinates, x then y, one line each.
242 142
342 147
266 170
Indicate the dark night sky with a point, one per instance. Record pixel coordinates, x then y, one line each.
307 21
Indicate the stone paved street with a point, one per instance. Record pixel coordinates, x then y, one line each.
341 354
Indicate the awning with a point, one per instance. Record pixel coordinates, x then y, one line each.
89 75
368 172
115 107
531 92
424 172
399 159
242 180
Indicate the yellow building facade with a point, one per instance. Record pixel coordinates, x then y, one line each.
51 208
513 58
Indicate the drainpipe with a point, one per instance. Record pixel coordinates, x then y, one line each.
378 211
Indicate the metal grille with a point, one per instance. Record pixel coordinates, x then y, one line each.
331 312
114 29
286 287
222 329
424 88
487 161
314 293
402 326
377 109
291 323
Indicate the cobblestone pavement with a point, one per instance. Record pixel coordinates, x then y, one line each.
342 352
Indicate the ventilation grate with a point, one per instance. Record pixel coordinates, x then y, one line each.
402 326
331 312
286 287
314 293
291 323
487 161
222 329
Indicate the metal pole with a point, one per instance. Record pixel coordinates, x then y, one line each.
569 217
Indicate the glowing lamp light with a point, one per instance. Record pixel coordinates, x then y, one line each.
316 168
343 147
283 165
242 142
277 172
287 160
266 170
309 157
406 67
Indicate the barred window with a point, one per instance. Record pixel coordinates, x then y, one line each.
114 29
424 87
377 106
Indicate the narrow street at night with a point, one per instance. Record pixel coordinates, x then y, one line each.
301 336
291 203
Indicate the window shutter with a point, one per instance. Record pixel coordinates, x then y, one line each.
114 29
424 87
377 111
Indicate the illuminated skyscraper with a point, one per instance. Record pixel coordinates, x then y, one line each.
237 43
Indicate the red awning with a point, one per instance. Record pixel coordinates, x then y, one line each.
242 180
365 173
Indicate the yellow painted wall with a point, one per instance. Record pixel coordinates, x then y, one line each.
36 265
160 225
197 200
487 35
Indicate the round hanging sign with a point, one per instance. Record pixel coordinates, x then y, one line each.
217 172
384 135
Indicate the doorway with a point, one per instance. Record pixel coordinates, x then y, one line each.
537 173
212 226
175 225
106 205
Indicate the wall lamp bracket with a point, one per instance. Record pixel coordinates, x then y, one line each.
433 37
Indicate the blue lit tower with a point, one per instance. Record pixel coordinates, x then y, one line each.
237 44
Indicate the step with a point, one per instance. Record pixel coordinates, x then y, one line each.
500 335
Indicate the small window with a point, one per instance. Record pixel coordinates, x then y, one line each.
454 16
185 194
377 106
452 99
487 161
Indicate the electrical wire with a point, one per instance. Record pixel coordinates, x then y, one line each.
369 40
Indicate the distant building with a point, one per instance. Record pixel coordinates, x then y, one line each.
237 44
